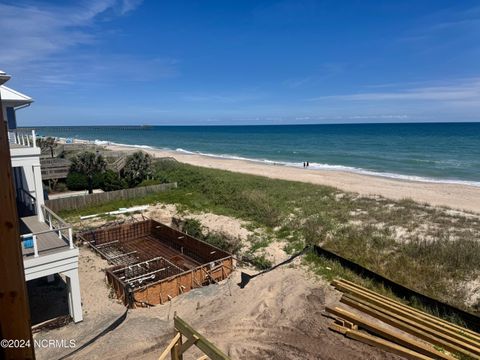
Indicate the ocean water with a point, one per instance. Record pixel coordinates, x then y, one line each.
438 152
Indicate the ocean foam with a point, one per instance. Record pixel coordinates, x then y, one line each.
329 167
313 165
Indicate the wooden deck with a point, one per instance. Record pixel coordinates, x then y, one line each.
54 168
47 243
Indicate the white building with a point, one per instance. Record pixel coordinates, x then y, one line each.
46 239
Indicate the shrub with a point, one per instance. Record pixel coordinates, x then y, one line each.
111 181
193 228
76 181
223 242
60 187
97 180
260 262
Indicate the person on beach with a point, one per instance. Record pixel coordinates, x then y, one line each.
304 164
308 164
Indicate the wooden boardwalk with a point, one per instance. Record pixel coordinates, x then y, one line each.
47 243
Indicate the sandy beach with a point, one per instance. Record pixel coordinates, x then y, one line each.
456 196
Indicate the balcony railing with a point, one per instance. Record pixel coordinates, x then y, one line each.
56 225
27 199
22 138
34 237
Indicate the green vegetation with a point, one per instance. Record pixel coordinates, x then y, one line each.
89 171
137 168
259 261
89 164
112 181
76 181
431 250
107 181
194 228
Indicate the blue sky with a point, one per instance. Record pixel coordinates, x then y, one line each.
242 62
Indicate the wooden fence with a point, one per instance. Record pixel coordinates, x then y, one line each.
81 201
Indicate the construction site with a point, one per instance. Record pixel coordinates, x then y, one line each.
153 263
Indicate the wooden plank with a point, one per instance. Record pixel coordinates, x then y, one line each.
352 300
175 351
387 334
170 346
387 307
203 344
400 323
191 341
348 286
400 304
378 342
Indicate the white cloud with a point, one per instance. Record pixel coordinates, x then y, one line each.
31 33
432 29
466 90
46 44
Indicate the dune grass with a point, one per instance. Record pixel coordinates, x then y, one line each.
431 250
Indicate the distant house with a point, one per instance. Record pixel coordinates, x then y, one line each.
46 239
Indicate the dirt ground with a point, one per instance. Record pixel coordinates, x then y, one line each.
276 316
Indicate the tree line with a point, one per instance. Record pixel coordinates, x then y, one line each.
89 170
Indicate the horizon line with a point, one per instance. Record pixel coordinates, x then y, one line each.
252 125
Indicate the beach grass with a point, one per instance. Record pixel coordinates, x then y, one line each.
431 250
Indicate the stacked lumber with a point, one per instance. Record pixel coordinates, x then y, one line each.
421 335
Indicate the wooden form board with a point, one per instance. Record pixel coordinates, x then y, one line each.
418 331
202 263
471 320
390 335
164 290
435 331
378 342
443 326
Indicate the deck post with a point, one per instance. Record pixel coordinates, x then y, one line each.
34 139
37 174
70 237
74 298
35 246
